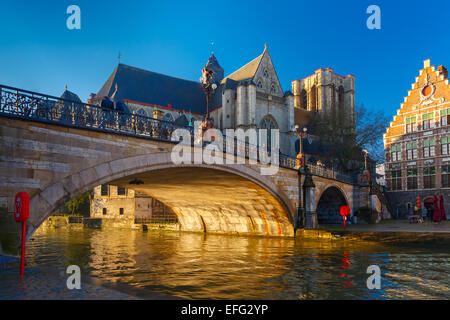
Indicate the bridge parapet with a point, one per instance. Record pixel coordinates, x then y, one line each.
33 106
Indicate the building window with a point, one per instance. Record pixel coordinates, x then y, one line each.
429 174
445 176
445 145
429 147
341 107
268 123
266 73
445 117
104 211
411 179
141 112
121 211
259 84
105 190
121 191
427 121
168 117
396 180
411 125
411 150
273 89
313 99
304 99
396 152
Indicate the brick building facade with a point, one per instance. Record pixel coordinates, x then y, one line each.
417 143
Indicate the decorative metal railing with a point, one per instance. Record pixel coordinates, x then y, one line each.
44 108
34 106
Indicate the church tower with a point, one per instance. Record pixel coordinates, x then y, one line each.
326 91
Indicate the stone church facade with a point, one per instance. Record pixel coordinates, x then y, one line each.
250 97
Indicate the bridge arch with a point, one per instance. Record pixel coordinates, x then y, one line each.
328 203
218 197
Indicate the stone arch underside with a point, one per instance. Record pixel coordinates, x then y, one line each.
329 204
211 200
228 198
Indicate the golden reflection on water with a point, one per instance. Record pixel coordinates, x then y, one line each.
196 265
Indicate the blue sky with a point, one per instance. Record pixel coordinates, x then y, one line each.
39 53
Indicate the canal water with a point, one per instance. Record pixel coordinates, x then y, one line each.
199 266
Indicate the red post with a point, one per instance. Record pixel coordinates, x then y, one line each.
21 214
344 212
22 254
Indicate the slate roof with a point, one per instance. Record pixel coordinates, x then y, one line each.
68 95
153 88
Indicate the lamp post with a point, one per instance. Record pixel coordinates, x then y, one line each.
300 221
365 158
208 87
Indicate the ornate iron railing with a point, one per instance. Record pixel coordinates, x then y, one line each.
44 108
34 106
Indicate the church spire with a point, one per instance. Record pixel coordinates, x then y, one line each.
214 66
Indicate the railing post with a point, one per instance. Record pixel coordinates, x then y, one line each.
73 114
17 102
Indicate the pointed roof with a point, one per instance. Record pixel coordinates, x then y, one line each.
248 71
146 87
215 67
68 95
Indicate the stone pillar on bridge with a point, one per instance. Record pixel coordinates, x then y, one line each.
309 193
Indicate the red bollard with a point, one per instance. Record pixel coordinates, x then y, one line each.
21 214
344 212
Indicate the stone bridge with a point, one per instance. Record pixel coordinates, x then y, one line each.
55 162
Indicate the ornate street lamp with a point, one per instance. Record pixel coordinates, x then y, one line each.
300 164
208 87
300 159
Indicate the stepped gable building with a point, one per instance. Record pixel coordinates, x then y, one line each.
417 143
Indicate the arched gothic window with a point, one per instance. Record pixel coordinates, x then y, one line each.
266 73
268 122
168 117
304 99
259 84
313 95
273 89
341 101
142 112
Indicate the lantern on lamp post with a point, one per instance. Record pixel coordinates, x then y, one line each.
208 88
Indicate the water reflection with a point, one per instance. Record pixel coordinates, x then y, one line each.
197 266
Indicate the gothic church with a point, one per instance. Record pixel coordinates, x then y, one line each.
250 97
